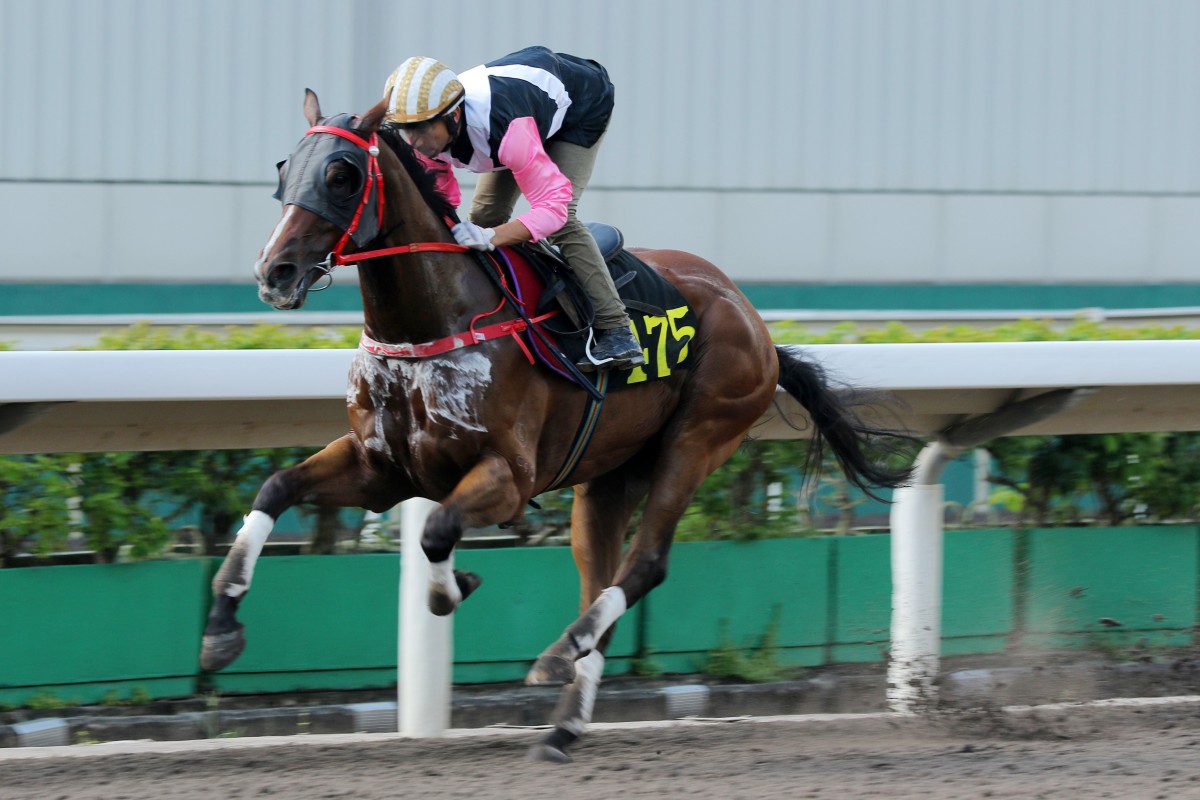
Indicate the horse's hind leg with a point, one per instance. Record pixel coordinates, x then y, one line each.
333 477
693 454
599 519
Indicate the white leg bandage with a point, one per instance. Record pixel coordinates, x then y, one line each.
588 671
441 580
256 527
607 609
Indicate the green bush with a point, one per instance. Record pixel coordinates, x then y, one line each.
114 491
737 501
35 493
144 336
1114 478
1025 330
758 664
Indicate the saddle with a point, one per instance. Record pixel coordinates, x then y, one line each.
562 286
663 322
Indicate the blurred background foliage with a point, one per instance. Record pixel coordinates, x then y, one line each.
114 506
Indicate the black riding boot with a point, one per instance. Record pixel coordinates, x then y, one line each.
614 347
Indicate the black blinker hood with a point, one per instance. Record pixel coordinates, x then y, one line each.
302 181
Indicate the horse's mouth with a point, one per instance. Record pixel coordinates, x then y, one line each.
288 302
284 300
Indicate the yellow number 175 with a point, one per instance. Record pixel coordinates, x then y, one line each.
663 326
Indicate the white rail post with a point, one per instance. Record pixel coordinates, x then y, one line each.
917 532
426 641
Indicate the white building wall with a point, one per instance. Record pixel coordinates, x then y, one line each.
815 140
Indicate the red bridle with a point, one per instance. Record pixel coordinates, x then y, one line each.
374 181
473 335
336 259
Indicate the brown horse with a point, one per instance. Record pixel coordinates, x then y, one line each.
479 429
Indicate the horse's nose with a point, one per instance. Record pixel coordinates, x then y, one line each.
282 273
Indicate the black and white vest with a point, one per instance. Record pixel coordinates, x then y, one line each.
570 99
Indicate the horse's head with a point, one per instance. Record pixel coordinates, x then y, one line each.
331 192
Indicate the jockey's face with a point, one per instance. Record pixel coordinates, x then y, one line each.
429 138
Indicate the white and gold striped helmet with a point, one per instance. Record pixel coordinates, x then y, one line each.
421 89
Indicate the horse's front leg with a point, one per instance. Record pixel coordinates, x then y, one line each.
335 476
486 495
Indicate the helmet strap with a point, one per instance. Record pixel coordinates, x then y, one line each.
453 123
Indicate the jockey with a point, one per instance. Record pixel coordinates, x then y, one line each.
531 123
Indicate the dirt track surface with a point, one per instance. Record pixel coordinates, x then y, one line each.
1143 752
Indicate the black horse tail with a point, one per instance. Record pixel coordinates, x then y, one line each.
871 457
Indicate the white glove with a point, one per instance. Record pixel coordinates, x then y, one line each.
469 234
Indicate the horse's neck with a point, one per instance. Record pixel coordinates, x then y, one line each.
417 297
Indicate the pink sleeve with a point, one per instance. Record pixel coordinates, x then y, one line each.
447 184
539 179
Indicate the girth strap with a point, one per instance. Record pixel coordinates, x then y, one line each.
583 435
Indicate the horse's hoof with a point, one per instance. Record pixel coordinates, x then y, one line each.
549 753
467 582
443 605
551 670
219 650
440 604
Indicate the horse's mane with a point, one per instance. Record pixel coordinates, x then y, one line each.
426 181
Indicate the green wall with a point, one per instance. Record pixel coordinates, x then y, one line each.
85 631
719 592
1142 578
329 622
317 622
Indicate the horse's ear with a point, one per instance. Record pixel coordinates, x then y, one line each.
371 120
312 107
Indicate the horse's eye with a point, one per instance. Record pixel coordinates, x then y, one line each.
342 179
